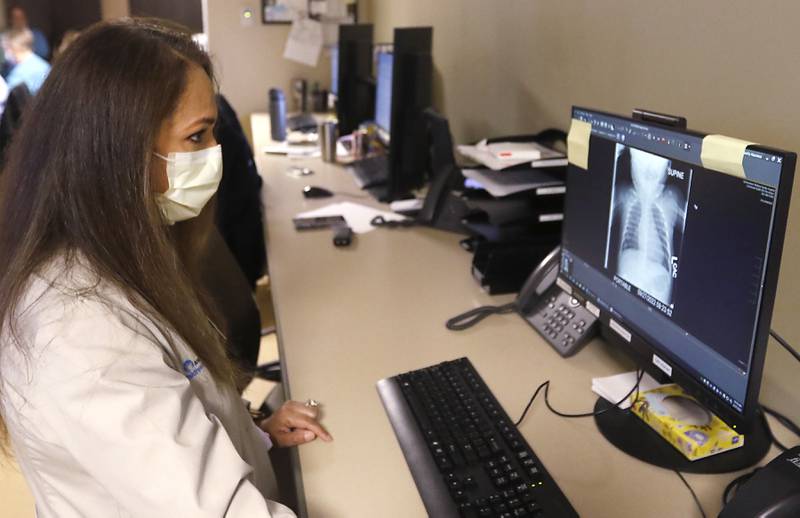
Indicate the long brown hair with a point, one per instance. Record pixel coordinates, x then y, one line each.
77 182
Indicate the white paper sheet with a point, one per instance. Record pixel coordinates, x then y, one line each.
358 216
305 42
614 388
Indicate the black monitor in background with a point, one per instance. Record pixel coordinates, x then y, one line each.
355 88
679 260
412 75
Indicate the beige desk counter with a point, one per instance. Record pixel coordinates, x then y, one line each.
348 317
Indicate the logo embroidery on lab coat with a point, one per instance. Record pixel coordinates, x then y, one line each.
192 368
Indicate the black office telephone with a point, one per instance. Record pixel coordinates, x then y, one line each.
560 318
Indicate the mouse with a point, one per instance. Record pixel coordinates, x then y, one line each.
774 490
312 191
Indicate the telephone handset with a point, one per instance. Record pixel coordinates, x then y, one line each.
539 281
559 317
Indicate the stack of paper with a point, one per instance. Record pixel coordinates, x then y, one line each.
614 388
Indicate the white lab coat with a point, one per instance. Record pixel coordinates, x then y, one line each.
104 420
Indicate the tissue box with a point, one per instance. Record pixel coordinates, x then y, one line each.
692 440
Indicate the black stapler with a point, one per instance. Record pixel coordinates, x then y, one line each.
772 492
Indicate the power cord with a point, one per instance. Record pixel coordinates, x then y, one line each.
546 386
694 495
782 419
469 318
785 344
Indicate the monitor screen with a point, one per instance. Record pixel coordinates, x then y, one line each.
678 256
335 70
383 92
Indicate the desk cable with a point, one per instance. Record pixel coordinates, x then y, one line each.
785 344
694 495
546 386
469 318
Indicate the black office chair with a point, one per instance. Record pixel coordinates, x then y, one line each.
18 99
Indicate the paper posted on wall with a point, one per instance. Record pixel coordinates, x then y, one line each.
305 42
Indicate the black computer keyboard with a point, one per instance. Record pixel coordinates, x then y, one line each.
464 452
371 171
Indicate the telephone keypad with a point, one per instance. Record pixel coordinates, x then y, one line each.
562 321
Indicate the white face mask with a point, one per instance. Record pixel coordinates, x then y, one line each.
193 179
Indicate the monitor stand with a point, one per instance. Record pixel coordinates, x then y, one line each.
626 431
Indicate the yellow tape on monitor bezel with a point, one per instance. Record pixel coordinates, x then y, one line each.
724 154
578 143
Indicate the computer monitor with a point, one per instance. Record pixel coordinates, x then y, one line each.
678 254
383 95
355 88
412 75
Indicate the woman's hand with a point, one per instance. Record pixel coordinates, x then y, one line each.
294 423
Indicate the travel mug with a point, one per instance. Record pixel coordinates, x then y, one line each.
327 139
277 114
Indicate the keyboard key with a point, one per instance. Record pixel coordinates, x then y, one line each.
500 481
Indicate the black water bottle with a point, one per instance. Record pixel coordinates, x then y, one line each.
277 114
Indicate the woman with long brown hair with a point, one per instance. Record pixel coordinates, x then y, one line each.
116 394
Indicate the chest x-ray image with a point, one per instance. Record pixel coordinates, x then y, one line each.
647 219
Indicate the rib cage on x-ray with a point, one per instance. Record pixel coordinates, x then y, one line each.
645 228
649 213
